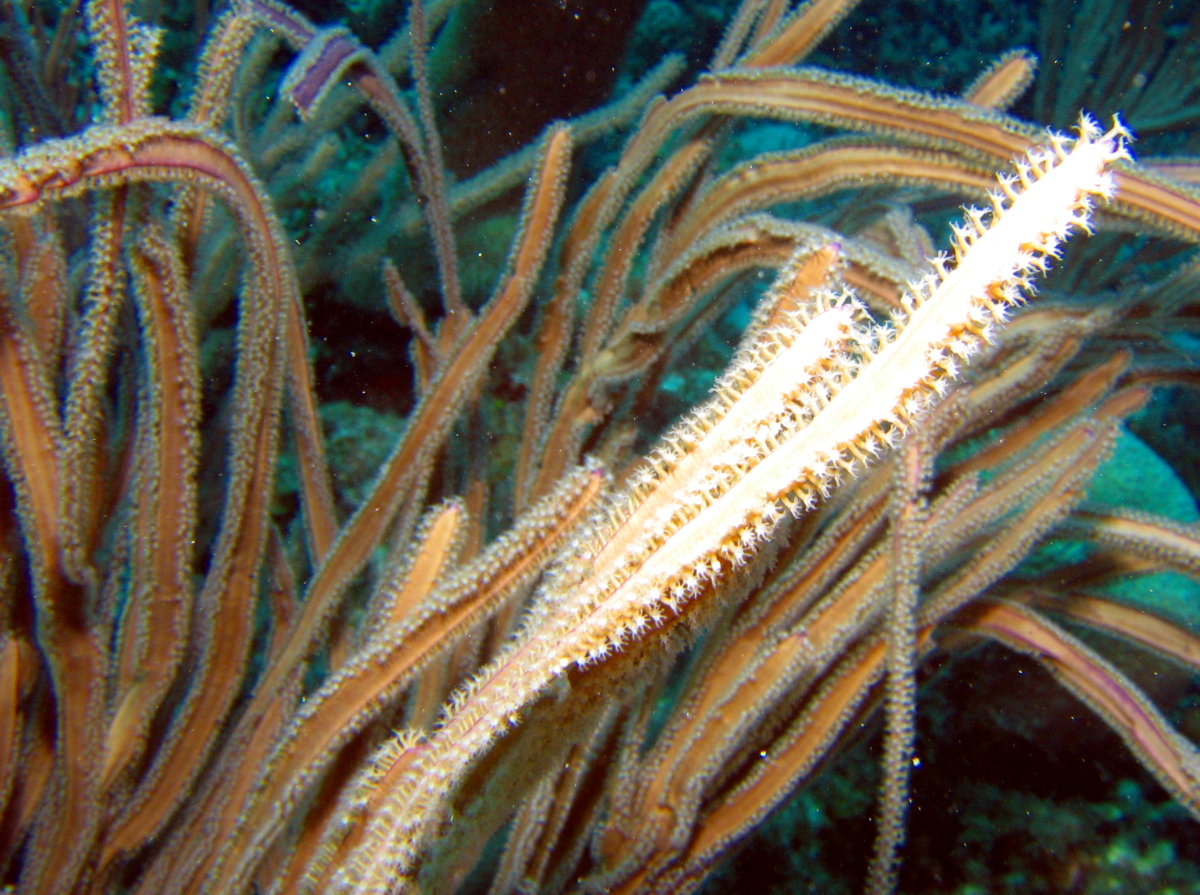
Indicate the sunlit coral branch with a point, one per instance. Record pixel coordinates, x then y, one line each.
794 414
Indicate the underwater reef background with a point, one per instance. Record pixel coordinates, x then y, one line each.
1016 785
